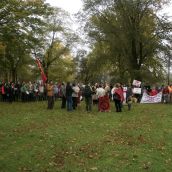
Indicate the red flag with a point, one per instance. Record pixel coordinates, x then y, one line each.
43 76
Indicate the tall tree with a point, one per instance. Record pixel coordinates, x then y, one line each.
20 24
58 38
130 32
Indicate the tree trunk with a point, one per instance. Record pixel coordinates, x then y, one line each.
46 72
135 63
13 75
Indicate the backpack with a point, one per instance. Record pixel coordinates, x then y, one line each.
116 96
87 91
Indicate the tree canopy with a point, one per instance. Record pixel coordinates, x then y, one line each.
130 35
31 29
128 39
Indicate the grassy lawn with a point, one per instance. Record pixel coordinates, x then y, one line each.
35 139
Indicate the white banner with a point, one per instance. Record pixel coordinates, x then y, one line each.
137 90
137 83
151 99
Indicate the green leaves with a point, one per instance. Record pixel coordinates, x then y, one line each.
129 34
20 24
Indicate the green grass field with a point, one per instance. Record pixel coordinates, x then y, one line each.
35 139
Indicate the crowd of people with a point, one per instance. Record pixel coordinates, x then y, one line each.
71 94
24 92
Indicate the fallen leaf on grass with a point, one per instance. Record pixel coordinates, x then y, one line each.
24 169
147 165
141 139
93 168
91 156
168 161
51 136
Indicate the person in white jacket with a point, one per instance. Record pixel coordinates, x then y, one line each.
76 90
100 92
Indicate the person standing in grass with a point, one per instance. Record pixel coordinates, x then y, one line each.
118 97
75 92
56 90
165 95
129 102
170 93
9 91
50 95
23 91
100 92
3 92
69 92
63 89
41 91
88 97
129 94
94 96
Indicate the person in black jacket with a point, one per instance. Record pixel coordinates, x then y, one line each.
69 92
88 97
9 92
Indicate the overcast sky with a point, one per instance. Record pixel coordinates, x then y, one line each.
73 6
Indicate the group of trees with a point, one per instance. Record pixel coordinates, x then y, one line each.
33 29
130 39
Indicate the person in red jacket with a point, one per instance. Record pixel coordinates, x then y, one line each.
165 95
153 92
3 92
118 97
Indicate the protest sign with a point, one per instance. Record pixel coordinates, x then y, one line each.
137 90
137 83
